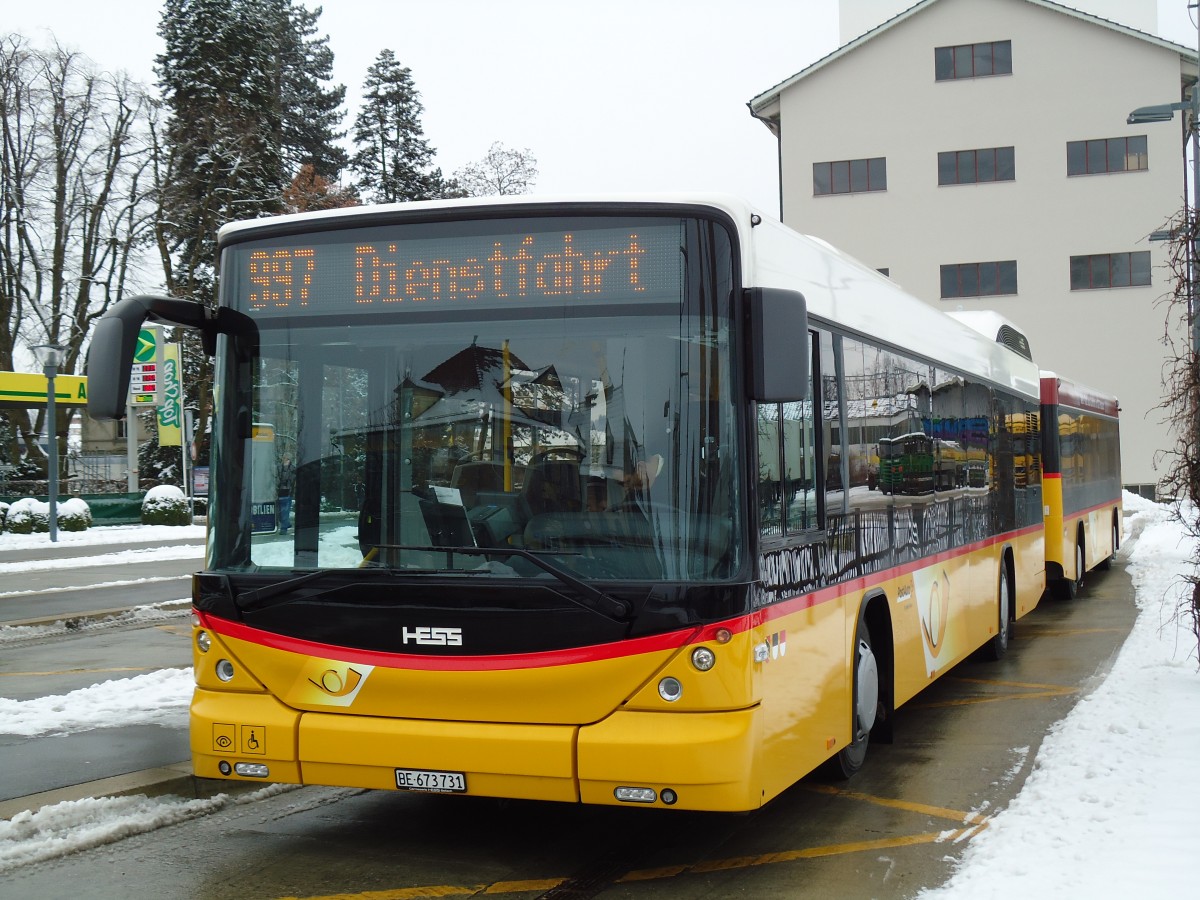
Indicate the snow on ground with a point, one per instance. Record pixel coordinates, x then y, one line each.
1109 809
154 698
63 828
1113 803
103 534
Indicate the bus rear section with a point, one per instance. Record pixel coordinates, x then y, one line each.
1082 457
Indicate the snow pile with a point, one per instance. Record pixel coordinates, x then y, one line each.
166 505
27 516
156 698
126 535
1111 806
75 825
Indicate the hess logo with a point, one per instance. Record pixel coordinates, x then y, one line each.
432 636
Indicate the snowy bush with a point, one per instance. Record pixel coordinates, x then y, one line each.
27 516
74 515
3 514
165 505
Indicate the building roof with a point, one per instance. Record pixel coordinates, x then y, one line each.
766 104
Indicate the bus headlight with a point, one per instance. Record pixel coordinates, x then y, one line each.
703 659
203 641
225 670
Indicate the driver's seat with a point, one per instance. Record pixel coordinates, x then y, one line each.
553 486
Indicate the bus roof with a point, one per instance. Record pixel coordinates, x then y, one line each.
1057 390
839 290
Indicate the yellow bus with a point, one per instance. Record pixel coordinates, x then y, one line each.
606 542
1082 457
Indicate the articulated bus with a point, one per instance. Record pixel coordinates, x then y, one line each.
605 541
1082 481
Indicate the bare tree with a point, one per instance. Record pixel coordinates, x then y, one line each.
503 171
1181 403
75 208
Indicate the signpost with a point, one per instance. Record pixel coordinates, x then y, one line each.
146 389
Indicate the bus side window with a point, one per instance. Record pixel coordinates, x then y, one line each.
787 469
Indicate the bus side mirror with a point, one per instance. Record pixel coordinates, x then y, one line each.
114 340
779 345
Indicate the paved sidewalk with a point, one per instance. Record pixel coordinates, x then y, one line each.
145 759
71 550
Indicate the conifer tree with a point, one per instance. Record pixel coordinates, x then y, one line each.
392 158
242 85
310 113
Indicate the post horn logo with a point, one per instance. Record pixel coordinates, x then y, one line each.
338 684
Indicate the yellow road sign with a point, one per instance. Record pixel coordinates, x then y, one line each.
26 390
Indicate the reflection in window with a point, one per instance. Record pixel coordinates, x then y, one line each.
786 468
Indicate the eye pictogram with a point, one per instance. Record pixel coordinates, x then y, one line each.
224 741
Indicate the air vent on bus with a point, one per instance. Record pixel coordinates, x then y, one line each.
995 327
1014 340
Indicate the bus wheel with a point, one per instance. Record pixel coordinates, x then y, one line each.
1106 563
1068 588
866 705
998 645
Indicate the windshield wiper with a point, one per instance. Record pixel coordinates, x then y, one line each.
590 598
253 599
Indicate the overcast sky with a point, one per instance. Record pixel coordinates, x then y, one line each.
609 95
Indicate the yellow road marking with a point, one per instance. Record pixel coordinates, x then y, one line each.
715 865
75 671
743 862
1046 631
1026 691
940 812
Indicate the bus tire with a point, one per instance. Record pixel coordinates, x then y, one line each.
997 647
1106 563
864 705
1068 588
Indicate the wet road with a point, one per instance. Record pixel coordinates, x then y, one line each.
963 748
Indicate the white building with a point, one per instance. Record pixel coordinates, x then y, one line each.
977 151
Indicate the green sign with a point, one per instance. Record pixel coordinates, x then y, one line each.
147 341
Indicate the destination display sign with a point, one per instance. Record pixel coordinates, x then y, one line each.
406 268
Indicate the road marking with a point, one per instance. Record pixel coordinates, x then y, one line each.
954 815
742 862
1025 691
664 872
154 579
76 671
1047 631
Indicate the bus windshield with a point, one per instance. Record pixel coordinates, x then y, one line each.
576 406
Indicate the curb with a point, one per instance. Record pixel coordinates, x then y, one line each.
75 620
175 780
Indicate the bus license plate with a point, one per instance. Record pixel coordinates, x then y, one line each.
431 781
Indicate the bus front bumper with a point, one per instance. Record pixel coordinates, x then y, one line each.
696 761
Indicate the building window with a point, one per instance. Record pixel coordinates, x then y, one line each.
974 166
850 176
983 279
1110 270
1098 157
972 60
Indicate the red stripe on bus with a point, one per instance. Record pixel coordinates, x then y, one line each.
672 640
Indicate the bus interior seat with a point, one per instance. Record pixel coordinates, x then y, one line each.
553 486
472 477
